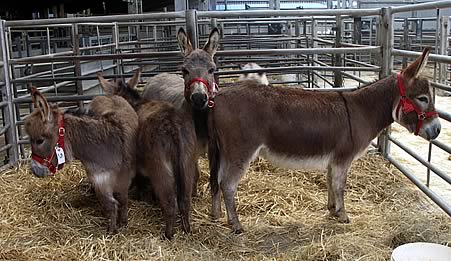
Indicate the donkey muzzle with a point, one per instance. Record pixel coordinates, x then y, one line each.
39 170
432 130
199 100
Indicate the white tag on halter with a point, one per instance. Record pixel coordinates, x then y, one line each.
60 155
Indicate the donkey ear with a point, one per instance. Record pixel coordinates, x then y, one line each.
106 85
134 80
414 69
40 102
213 42
184 43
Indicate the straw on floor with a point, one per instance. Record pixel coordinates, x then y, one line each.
283 213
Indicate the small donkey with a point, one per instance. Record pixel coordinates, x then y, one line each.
103 138
165 151
194 92
303 129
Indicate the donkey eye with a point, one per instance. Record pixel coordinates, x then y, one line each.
423 99
39 141
212 70
185 71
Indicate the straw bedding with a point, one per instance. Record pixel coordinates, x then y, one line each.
283 213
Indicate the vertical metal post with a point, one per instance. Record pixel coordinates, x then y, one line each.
357 38
77 64
9 118
116 39
191 27
314 45
338 77
386 42
405 41
444 44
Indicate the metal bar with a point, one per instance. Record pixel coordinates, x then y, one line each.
6 147
5 128
95 57
441 145
441 86
432 57
386 41
57 98
428 165
77 64
422 6
338 78
191 27
94 19
444 115
432 195
304 12
298 68
299 51
9 117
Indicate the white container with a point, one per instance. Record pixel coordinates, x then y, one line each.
421 252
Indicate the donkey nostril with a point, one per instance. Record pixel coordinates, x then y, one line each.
438 130
199 98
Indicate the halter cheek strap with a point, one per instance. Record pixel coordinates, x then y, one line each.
408 106
211 90
48 160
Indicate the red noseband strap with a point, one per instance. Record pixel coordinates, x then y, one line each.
211 90
408 106
48 160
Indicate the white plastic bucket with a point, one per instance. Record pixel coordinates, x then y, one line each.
421 252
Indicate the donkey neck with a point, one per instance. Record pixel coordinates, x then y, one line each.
199 118
377 102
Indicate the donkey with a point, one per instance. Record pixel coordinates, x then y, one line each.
165 151
194 93
302 129
259 77
103 138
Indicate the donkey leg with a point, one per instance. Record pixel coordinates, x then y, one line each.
338 182
229 184
196 179
110 208
122 197
164 187
330 193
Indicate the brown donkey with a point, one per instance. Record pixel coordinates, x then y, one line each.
103 138
165 151
194 93
304 129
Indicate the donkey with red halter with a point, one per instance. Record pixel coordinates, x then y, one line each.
165 151
103 138
195 92
313 130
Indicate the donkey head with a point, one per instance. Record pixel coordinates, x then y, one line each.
198 69
42 128
415 109
120 88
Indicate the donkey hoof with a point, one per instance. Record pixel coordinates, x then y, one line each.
167 236
343 218
237 229
112 231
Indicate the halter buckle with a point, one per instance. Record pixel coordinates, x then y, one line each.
61 131
422 116
210 104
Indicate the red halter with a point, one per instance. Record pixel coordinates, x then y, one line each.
48 160
211 90
408 106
